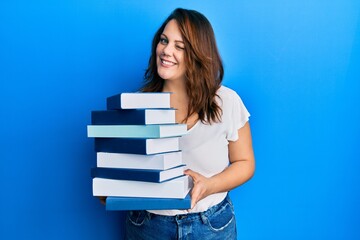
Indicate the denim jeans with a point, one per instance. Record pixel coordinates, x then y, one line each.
218 222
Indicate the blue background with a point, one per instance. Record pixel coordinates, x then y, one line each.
296 65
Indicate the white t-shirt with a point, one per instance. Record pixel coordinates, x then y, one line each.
205 147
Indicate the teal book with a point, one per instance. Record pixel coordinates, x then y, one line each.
137 203
136 131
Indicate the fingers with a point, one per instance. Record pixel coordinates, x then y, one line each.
193 203
188 172
192 174
195 195
102 200
199 189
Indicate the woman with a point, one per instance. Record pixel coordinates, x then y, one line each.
217 149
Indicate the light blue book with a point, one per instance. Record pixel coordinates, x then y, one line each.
136 131
138 203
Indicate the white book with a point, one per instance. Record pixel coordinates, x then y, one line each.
160 161
136 131
159 116
139 100
175 188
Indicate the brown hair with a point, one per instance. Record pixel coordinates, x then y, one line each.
204 68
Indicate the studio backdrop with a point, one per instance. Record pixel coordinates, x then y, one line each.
295 64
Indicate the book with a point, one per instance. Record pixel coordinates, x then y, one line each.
175 188
136 131
137 145
146 175
139 100
161 161
133 117
138 203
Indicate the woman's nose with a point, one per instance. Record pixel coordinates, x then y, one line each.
167 50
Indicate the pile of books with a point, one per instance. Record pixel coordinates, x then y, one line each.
139 162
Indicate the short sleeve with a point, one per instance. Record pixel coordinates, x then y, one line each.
239 115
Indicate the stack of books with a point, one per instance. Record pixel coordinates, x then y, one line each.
139 163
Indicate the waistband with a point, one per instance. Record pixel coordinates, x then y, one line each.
192 216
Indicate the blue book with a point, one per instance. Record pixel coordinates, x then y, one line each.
138 203
133 117
139 100
137 131
146 175
137 145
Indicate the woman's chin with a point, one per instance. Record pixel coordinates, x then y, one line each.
164 76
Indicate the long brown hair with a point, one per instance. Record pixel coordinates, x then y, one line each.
204 68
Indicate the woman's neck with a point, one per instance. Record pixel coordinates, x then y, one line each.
174 86
180 101
179 97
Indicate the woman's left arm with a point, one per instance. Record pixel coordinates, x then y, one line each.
240 170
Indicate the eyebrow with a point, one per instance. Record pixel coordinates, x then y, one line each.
177 41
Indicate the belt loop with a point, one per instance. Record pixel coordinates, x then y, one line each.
203 217
149 215
228 199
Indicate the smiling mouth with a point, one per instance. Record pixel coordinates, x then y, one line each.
167 63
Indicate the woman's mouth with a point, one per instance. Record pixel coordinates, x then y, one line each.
167 63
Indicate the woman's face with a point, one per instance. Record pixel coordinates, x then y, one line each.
170 53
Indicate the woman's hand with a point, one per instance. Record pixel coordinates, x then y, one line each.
102 200
201 188
240 170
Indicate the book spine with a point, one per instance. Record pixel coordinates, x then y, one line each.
175 188
118 117
136 131
133 203
113 102
139 101
120 145
127 174
161 161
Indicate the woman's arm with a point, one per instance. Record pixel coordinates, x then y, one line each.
240 170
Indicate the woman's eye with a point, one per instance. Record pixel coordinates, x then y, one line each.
163 41
180 47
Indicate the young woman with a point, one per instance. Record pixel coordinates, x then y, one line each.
217 149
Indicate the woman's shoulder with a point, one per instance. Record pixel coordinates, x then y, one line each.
233 108
226 93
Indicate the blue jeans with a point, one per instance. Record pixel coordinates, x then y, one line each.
218 222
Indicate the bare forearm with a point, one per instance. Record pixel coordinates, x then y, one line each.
236 174
233 176
240 170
